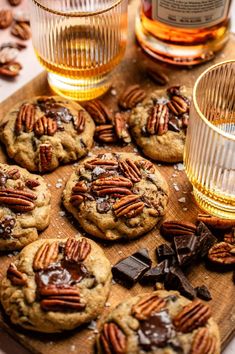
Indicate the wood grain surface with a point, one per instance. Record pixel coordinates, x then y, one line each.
130 71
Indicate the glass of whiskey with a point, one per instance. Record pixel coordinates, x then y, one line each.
79 43
209 154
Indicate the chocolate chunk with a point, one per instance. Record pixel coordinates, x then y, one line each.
176 280
164 251
205 240
103 207
186 248
129 270
173 126
156 274
156 331
203 293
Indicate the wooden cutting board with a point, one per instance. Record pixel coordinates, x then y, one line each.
130 71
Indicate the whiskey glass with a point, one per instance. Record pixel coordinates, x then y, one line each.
79 43
209 154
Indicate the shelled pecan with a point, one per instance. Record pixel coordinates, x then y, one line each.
21 30
60 299
32 183
121 129
178 105
77 250
13 174
131 97
14 2
157 122
25 118
46 255
17 200
6 18
177 228
112 339
128 206
105 164
130 170
15 276
78 193
143 309
146 165
230 237
115 186
194 315
158 76
45 157
11 69
203 342
80 121
222 253
7 224
105 133
99 111
216 223
45 126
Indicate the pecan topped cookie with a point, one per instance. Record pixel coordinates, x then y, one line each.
119 195
56 285
24 207
44 132
159 124
162 322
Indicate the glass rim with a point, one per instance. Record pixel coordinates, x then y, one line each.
201 115
78 14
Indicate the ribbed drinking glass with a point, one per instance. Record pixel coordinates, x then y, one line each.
210 144
79 42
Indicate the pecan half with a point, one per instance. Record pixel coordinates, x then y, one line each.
158 76
14 2
130 170
105 164
11 69
32 183
98 111
146 165
7 224
230 237
80 121
157 122
178 105
203 342
177 228
194 315
45 157
46 254
60 299
13 174
78 193
25 118
105 133
128 206
77 251
216 223
115 186
15 276
45 126
222 253
6 18
17 200
121 129
21 30
131 97
112 339
148 305
8 54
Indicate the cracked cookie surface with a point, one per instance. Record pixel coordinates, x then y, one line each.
116 195
56 285
162 322
24 207
43 132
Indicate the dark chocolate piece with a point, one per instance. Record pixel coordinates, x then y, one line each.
186 248
176 280
129 270
156 331
164 251
156 274
203 292
103 207
205 240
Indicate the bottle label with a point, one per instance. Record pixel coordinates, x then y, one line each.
190 14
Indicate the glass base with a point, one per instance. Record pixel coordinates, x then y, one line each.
214 207
177 54
79 90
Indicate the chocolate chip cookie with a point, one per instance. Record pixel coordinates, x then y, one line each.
159 124
56 285
24 207
116 195
43 132
161 322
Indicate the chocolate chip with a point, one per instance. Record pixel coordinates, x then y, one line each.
205 239
103 207
203 292
176 280
164 251
156 274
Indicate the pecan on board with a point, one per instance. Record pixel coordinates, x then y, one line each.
112 339
158 76
6 18
131 97
121 130
172 228
21 30
222 253
105 133
99 112
128 206
215 222
151 303
14 2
